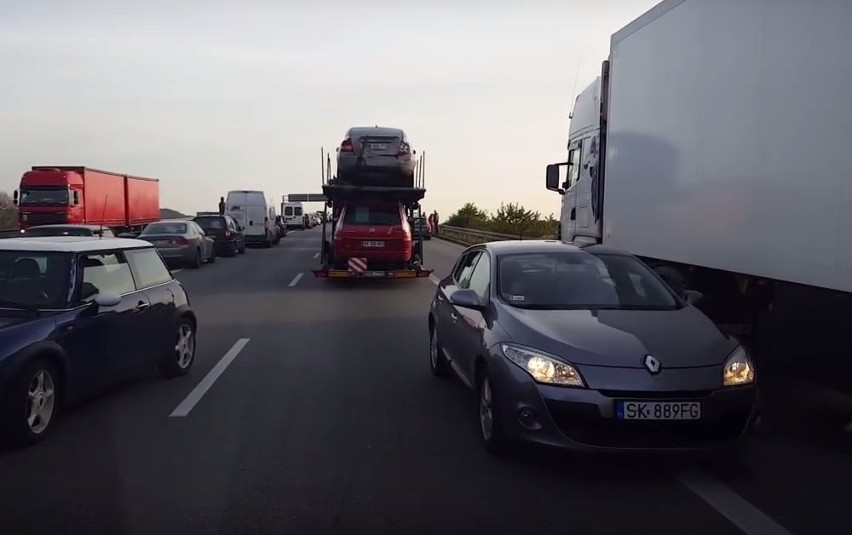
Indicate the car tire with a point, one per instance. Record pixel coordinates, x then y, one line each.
212 255
198 260
233 250
243 248
39 377
490 427
437 361
180 356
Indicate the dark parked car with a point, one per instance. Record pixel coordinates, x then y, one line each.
78 315
376 156
68 230
587 348
181 242
227 234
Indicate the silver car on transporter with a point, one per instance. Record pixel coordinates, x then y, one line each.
587 348
376 156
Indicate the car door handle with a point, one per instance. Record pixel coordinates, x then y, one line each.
440 297
454 316
142 305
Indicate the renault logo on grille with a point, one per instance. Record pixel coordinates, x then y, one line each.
652 364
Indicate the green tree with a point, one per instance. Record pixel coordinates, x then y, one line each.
513 218
469 216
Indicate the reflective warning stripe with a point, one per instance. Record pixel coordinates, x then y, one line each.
358 265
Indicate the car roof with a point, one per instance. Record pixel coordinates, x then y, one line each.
378 130
70 244
171 221
544 246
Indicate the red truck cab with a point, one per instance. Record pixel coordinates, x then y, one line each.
376 231
49 196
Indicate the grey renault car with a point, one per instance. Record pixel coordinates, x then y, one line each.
376 156
587 348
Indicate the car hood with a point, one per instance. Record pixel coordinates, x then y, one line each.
681 338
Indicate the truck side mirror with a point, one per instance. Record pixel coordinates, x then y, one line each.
15 197
552 177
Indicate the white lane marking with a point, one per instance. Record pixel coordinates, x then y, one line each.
201 388
748 518
177 270
316 255
435 280
295 280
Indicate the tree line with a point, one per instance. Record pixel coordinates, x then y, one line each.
510 218
8 212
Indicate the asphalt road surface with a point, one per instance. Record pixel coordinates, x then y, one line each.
322 417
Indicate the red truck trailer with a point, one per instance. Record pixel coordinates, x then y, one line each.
79 195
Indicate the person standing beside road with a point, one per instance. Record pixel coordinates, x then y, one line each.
435 220
221 205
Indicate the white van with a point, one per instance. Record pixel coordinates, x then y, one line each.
292 215
255 216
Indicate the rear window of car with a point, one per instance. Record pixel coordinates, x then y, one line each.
165 228
372 215
210 223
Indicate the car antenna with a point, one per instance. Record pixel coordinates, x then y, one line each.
103 215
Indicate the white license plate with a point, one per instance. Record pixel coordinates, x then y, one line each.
374 274
377 146
658 410
162 243
373 243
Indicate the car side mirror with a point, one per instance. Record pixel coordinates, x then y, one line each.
692 296
107 299
466 299
552 177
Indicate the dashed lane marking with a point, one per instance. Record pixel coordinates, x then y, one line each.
748 518
295 280
198 392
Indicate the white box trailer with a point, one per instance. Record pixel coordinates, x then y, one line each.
726 161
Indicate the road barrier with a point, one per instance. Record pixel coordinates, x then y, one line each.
469 236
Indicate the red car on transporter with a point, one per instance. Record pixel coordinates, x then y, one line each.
376 231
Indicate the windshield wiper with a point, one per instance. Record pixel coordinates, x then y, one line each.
16 305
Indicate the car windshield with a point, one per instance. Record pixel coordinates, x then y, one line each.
34 279
372 215
581 280
164 228
210 223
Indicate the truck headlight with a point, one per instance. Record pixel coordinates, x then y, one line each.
542 367
738 369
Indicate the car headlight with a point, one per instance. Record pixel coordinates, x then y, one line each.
738 369
543 368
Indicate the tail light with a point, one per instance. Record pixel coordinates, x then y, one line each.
347 146
227 233
178 241
404 149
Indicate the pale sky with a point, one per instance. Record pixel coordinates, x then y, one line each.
212 96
